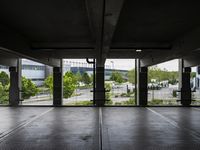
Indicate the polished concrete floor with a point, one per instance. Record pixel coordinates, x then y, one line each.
108 128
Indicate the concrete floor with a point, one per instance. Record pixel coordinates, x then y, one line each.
108 128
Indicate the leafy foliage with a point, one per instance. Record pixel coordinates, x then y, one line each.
108 88
28 88
84 103
158 74
131 76
131 101
78 77
4 78
4 87
48 82
193 74
69 84
4 93
116 76
86 78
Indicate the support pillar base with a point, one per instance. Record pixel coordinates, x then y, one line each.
57 86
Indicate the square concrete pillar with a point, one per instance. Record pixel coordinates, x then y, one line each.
142 86
14 91
100 89
57 86
186 97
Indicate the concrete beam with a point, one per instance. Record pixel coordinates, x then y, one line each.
187 44
95 11
37 56
191 61
8 61
142 45
156 58
61 45
182 47
71 53
103 17
15 44
111 16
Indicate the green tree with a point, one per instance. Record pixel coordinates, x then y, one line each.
108 88
4 92
69 84
193 74
160 75
78 76
116 76
131 76
4 78
156 73
48 82
86 78
28 88
4 87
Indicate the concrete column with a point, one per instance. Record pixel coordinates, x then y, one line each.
100 90
142 86
14 91
186 97
180 72
57 86
48 71
137 71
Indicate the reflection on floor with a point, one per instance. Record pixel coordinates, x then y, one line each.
108 128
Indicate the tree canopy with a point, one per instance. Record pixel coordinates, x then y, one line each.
131 76
86 78
69 84
28 88
4 87
161 75
4 93
117 77
48 82
158 74
4 78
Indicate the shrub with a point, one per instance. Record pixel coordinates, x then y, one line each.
28 88
108 88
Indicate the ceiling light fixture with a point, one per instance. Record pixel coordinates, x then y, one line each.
138 50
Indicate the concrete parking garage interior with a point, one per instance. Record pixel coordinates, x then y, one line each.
151 32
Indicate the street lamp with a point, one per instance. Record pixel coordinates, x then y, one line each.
112 62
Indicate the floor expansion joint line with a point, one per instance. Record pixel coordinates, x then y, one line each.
165 118
197 109
100 129
21 126
175 124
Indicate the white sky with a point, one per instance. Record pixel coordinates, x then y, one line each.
128 64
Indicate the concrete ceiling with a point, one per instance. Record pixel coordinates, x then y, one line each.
48 30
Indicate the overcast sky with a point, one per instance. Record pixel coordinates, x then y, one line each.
128 64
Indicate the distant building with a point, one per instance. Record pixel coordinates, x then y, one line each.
108 72
31 70
196 81
37 72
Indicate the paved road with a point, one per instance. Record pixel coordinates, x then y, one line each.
85 94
